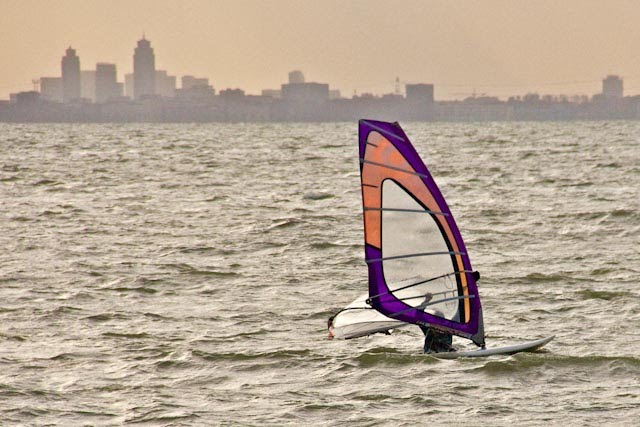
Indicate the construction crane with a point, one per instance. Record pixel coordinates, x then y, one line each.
473 94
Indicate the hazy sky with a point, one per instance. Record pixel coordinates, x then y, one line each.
497 47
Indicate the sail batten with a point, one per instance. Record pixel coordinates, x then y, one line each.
413 257
366 208
368 261
422 306
382 165
421 283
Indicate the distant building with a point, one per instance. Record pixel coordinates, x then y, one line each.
196 93
419 93
272 93
128 85
70 65
195 89
334 94
232 94
612 87
88 85
296 77
165 84
305 92
120 86
106 82
144 70
419 102
305 101
51 88
189 82
26 98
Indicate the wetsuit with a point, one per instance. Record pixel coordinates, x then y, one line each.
436 341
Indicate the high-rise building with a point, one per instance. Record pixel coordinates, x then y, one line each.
106 82
70 76
419 103
165 84
419 93
296 77
612 87
51 88
128 85
120 88
189 82
88 85
195 89
305 101
144 70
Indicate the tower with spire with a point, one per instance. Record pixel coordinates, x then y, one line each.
144 69
70 65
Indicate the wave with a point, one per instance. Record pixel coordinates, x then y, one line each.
605 295
624 213
173 364
138 289
329 245
544 278
160 416
9 337
317 195
47 182
271 355
126 335
391 356
285 223
614 165
525 362
103 317
156 316
188 269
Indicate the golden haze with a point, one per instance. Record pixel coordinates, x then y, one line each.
495 47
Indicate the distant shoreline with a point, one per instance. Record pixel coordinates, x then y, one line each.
264 109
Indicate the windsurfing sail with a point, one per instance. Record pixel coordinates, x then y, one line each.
419 269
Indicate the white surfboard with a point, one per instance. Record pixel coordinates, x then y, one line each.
510 349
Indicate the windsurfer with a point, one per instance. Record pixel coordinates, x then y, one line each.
330 327
434 340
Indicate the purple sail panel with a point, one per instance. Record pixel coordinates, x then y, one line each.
419 269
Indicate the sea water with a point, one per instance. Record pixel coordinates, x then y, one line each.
183 275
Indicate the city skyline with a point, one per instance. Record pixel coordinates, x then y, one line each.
149 94
152 81
499 48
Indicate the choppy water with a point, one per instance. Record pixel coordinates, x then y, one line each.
183 275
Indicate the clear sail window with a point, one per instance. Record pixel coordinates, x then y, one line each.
417 263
